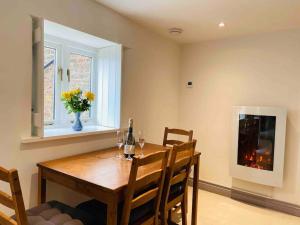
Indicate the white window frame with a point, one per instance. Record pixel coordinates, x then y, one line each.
63 50
56 83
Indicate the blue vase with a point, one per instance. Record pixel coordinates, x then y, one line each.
77 124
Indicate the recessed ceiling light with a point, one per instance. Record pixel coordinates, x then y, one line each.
222 24
175 31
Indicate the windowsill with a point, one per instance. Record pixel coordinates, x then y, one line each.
64 133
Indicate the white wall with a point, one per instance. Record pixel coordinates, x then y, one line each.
262 70
149 89
257 70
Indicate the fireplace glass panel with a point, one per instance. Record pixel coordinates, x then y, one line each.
256 141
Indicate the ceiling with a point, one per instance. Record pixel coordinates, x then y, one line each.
200 18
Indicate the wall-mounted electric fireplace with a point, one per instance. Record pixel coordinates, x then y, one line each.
259 139
256 141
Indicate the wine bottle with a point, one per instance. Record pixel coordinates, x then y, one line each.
129 147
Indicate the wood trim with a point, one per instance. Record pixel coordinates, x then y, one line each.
210 187
249 198
266 202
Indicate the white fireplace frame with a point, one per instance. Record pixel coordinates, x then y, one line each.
271 178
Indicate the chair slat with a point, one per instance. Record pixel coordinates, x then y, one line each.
5 220
6 200
176 200
168 131
144 198
173 142
145 221
185 148
178 178
151 158
179 131
181 163
148 179
4 174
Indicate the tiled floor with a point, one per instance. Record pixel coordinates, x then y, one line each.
219 210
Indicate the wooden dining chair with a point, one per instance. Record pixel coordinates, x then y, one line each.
13 201
52 212
175 187
171 142
141 205
146 189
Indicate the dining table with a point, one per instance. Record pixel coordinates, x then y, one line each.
102 176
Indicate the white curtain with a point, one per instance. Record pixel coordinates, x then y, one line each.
109 86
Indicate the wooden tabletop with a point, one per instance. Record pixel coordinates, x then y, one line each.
100 167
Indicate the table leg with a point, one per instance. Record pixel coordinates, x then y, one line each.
112 212
195 192
41 188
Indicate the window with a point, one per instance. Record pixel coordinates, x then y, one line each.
49 84
71 60
75 68
81 68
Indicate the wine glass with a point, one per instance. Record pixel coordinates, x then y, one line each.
141 142
120 143
129 155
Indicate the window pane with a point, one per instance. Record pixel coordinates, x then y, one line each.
49 83
80 75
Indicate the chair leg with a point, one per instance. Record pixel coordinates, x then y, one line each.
170 216
164 217
186 200
170 221
156 220
184 212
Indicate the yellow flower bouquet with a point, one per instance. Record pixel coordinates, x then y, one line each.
76 102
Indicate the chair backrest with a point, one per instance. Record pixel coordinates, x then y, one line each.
166 141
145 185
13 201
178 171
